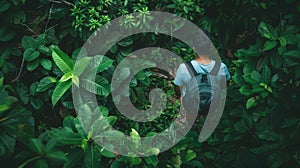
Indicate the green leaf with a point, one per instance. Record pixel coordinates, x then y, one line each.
36 145
240 126
4 5
104 111
75 80
31 66
31 54
22 90
276 61
36 103
282 41
46 64
113 135
151 160
62 60
256 76
125 42
269 45
66 77
65 136
92 157
135 137
56 156
293 54
107 153
1 81
29 42
105 64
59 91
266 75
267 134
41 163
74 156
95 88
80 65
45 84
8 141
265 30
185 9
190 155
51 144
251 102
6 35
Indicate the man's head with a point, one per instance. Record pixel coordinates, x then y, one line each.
201 42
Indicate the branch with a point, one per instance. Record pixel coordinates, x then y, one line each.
29 28
19 74
49 15
62 1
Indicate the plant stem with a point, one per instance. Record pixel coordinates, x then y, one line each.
28 161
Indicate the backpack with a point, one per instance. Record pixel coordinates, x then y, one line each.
202 90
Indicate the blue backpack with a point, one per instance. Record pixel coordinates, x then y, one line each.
202 89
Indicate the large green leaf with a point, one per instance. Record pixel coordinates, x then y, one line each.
92 157
59 91
62 60
94 87
80 65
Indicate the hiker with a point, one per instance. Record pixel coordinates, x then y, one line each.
207 84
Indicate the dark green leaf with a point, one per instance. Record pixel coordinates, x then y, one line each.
293 54
45 84
5 34
36 145
56 156
4 5
41 163
36 103
92 157
269 45
31 54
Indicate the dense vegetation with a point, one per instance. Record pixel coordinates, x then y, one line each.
258 40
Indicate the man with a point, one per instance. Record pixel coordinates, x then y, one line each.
203 63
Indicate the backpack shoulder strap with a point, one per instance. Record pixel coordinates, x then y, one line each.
216 68
191 68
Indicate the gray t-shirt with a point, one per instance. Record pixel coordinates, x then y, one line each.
183 76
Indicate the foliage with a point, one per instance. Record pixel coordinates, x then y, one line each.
40 41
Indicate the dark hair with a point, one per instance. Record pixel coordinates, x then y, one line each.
201 42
